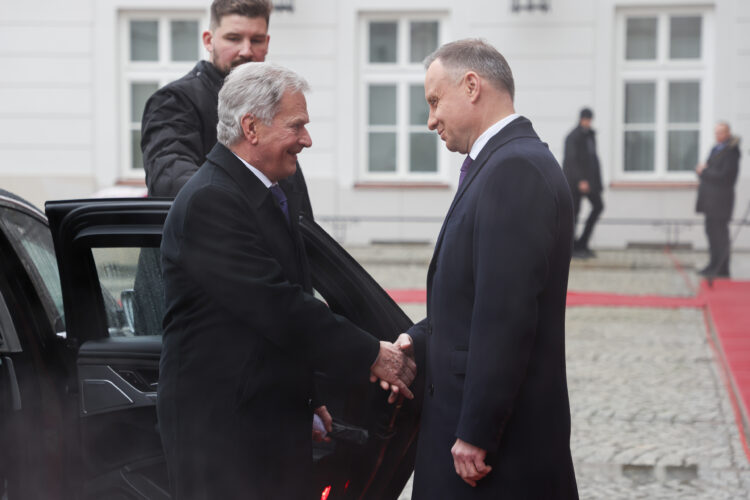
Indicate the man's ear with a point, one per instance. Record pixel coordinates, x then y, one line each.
208 37
472 85
249 125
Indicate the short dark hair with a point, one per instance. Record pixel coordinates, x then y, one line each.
586 113
474 54
246 8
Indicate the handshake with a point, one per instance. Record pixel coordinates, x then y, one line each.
395 367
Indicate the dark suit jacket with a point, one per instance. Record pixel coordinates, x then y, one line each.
242 336
494 335
716 188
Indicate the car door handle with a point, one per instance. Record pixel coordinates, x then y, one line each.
9 378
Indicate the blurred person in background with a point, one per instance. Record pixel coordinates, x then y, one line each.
581 168
716 198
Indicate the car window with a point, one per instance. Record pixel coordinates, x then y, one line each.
132 289
32 243
8 336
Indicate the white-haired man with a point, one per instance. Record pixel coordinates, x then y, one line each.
242 332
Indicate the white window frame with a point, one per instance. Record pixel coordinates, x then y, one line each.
160 72
403 73
661 71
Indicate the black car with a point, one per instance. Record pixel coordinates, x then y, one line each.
80 340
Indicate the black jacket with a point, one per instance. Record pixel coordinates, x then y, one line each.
242 336
580 162
716 188
179 129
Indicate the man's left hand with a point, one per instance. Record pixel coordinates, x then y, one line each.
469 462
325 417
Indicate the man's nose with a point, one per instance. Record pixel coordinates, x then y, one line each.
431 121
246 50
305 140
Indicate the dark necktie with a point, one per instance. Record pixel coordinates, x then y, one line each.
464 168
278 193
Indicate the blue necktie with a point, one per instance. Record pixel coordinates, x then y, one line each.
278 193
464 168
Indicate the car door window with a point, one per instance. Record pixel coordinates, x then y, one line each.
132 289
32 243
8 337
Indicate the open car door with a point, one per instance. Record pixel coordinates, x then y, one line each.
108 256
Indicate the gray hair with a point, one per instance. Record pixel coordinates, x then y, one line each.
474 54
255 88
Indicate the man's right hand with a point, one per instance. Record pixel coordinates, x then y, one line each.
583 186
395 368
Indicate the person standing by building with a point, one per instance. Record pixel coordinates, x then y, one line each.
716 198
581 168
179 120
496 417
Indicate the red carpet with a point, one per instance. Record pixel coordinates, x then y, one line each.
729 309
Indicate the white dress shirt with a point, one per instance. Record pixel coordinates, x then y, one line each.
483 139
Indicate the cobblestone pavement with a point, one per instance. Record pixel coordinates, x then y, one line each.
651 415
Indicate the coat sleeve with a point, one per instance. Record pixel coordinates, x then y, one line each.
221 248
171 142
514 236
724 171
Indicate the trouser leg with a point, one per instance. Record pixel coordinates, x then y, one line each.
717 231
597 207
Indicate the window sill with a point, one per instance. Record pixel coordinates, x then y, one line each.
402 185
664 185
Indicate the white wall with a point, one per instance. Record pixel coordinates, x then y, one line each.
59 100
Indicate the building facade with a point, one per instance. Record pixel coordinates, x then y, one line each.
658 75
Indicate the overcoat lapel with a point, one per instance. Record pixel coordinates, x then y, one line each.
518 128
284 238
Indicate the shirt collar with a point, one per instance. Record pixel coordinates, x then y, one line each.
260 175
488 134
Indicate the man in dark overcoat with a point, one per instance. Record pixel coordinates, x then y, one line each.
716 198
496 417
583 172
243 333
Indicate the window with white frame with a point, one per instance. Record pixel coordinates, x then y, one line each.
156 48
396 143
663 84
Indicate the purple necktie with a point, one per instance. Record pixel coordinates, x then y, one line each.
278 193
464 169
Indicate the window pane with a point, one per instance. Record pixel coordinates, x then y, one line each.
383 42
184 40
639 151
683 150
382 148
422 152
424 40
641 38
685 38
640 102
684 102
144 41
32 242
418 109
135 148
382 104
139 94
132 289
